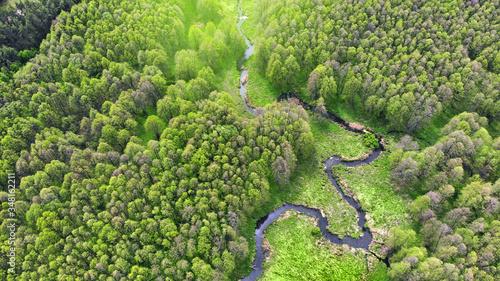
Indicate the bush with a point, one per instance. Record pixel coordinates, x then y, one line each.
316 232
370 141
26 55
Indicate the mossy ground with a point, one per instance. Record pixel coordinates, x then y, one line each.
298 255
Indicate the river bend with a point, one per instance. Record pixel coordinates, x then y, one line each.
364 241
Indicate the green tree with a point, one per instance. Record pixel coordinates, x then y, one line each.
209 10
155 125
195 36
420 205
370 141
187 64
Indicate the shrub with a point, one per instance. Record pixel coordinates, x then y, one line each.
370 141
316 232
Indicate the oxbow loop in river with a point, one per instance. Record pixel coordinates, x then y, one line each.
363 242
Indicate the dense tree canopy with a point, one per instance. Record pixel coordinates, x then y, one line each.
457 214
22 29
404 61
176 203
97 198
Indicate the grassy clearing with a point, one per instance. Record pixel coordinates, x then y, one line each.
228 81
297 255
248 7
309 185
351 114
313 187
227 8
146 136
432 132
332 139
348 113
378 272
259 89
372 187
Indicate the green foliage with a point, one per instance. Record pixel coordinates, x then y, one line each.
131 165
155 125
370 141
379 273
459 175
209 9
420 205
26 24
316 232
187 64
116 153
25 55
202 153
401 238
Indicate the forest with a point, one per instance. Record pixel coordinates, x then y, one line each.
405 62
419 67
135 158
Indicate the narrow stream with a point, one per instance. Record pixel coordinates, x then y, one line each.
364 241
241 62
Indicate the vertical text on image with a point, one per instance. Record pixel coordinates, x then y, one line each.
11 222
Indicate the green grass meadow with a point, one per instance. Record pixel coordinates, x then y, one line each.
297 255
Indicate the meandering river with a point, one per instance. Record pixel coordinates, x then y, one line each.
365 239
